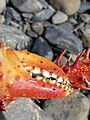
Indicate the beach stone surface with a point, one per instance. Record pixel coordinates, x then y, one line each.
46 28
70 108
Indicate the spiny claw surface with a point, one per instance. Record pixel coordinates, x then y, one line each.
24 74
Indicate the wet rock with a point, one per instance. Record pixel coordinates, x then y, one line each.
15 38
42 48
86 37
43 15
27 15
2 5
63 39
23 109
46 23
85 17
37 27
68 6
44 3
84 7
75 107
73 21
32 34
66 26
27 5
59 17
14 24
12 13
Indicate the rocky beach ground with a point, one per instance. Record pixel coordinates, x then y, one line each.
47 27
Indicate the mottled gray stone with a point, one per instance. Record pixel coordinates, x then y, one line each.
14 37
86 37
42 48
27 15
14 24
66 26
32 34
63 39
44 3
12 13
23 109
85 17
75 107
37 27
73 21
84 7
43 15
27 5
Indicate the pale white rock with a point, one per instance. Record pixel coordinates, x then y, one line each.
59 17
2 5
2 19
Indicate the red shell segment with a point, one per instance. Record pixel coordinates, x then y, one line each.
79 72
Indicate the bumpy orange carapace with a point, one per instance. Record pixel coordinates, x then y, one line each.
24 74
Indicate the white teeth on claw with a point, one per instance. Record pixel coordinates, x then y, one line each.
66 87
53 81
44 75
30 73
63 85
36 70
54 76
28 68
60 80
39 78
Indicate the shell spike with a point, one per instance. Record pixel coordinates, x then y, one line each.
60 57
87 56
78 57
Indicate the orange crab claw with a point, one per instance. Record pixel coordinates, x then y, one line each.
24 74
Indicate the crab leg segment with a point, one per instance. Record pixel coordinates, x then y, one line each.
79 72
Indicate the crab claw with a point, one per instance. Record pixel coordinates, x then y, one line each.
24 74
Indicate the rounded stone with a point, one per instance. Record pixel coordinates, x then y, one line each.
59 17
2 5
68 6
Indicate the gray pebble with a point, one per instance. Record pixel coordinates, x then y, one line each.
15 38
75 107
12 13
23 109
84 7
63 39
27 5
32 34
43 15
42 48
27 15
37 27
59 17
